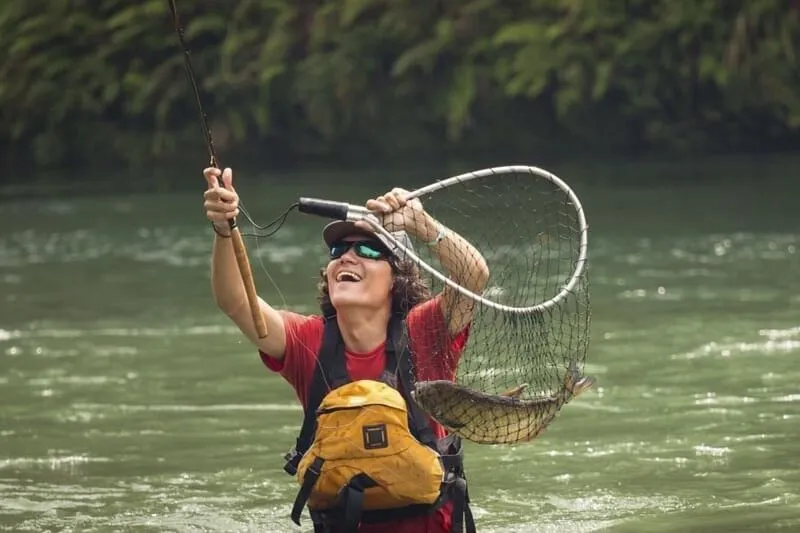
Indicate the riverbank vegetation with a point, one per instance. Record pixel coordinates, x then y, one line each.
347 80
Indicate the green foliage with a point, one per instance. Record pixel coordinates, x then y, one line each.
351 78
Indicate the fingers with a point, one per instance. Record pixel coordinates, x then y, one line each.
391 201
220 211
394 199
399 195
220 200
402 194
379 205
227 179
211 174
222 196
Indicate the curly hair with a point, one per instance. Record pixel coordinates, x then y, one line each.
408 289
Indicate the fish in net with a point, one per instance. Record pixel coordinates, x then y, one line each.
527 339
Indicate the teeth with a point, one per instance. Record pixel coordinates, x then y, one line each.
347 276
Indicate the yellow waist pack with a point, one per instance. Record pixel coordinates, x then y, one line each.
364 457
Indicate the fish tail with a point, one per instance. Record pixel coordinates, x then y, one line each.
574 382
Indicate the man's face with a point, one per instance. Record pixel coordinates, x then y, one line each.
359 274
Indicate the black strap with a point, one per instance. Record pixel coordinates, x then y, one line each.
321 523
309 480
462 514
470 520
331 368
352 501
398 356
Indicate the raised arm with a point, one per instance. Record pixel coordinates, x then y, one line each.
222 204
462 262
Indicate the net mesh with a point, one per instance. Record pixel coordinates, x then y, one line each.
527 230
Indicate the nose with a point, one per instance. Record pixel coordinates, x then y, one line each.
349 256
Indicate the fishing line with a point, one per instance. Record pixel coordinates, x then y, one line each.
267 230
207 130
280 220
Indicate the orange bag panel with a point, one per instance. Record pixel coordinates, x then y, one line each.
362 428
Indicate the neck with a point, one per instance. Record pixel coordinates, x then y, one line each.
363 329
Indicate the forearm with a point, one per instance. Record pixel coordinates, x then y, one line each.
458 257
231 297
226 280
221 204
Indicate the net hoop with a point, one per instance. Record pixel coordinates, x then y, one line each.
359 213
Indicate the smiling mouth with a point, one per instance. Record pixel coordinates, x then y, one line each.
349 277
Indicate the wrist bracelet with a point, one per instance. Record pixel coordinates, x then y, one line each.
214 226
441 235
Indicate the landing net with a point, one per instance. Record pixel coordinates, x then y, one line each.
531 321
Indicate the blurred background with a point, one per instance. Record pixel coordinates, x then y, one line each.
129 403
102 83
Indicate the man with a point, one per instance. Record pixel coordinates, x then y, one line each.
363 285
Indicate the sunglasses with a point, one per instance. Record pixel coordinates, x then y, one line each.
365 249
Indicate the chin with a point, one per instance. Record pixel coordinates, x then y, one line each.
353 299
344 301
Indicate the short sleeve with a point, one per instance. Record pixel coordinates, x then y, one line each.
303 340
436 352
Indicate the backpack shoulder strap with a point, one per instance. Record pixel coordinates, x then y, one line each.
331 363
330 372
398 355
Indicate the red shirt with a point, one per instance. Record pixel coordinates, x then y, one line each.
431 360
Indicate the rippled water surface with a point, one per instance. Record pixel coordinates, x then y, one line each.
130 404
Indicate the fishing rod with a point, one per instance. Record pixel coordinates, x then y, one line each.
238 243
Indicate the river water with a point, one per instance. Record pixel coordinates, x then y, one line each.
129 403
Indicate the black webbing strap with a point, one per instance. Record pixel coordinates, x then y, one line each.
449 447
462 514
333 372
398 356
352 501
309 480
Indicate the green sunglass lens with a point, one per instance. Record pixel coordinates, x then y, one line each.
362 249
365 250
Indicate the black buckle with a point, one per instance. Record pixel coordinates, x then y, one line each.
315 467
292 460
